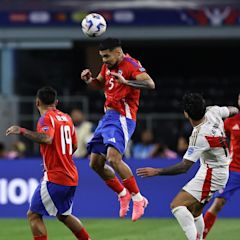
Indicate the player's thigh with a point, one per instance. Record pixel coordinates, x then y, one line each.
113 155
184 198
97 160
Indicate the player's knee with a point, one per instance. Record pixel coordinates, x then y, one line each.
114 159
173 205
112 162
95 166
113 156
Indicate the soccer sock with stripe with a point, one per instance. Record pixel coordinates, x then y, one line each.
199 223
131 185
82 235
115 185
209 220
186 221
40 238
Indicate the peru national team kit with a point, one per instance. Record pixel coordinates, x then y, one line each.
208 142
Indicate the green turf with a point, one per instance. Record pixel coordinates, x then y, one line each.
117 229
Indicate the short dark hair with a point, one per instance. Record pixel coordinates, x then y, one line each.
194 105
47 95
109 43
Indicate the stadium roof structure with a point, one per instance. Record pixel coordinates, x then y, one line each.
90 5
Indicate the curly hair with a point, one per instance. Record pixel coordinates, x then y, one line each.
194 105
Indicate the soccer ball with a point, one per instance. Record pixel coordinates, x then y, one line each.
94 25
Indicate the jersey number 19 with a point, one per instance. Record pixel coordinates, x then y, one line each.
66 139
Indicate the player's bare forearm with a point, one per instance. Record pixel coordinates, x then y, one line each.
34 136
37 137
95 84
179 168
141 84
143 81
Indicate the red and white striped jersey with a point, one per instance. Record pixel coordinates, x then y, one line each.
208 140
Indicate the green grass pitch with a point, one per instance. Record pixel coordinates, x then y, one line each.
118 229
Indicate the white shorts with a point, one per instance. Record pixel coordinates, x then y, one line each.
206 182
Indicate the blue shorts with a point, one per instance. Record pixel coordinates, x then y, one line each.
232 186
113 130
52 199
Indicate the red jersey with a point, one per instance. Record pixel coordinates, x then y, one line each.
59 166
232 128
122 98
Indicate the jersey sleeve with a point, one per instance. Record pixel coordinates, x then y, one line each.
46 125
222 111
136 69
103 70
196 147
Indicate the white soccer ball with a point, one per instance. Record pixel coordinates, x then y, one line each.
94 25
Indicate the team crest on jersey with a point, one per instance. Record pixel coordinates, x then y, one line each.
190 151
45 129
142 69
108 72
235 127
221 191
112 140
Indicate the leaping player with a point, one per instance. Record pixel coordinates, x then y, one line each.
121 78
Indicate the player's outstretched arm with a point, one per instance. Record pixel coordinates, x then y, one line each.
96 83
232 111
143 81
178 168
34 136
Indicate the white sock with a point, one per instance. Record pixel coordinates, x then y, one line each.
137 197
186 221
122 193
199 223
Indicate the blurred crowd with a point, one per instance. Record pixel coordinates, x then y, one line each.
145 146
17 150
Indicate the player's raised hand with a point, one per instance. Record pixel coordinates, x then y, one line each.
13 130
147 172
86 75
119 78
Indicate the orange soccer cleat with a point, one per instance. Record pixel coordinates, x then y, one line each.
138 209
124 204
